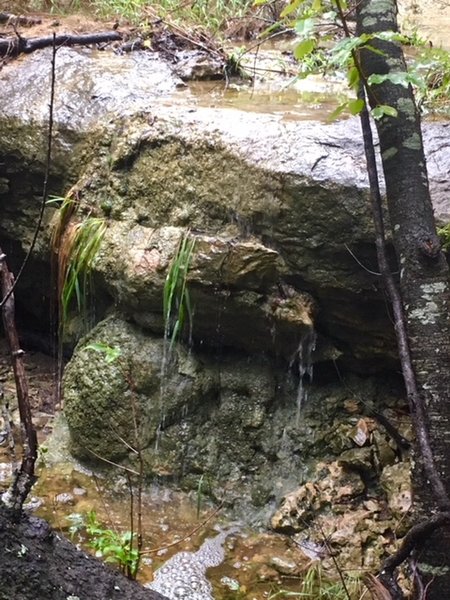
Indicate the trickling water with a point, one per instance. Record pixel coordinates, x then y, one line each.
305 368
183 577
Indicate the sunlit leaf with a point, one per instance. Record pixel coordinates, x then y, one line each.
392 36
338 111
305 47
356 106
374 50
397 78
383 110
342 52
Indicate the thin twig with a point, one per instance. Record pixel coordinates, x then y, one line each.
110 462
360 263
188 535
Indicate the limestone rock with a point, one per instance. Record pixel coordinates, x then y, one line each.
332 485
288 199
396 481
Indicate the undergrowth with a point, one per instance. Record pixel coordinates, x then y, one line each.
112 546
316 586
214 15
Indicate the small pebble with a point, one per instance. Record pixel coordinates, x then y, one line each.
65 498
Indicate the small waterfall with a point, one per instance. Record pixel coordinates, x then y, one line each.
303 357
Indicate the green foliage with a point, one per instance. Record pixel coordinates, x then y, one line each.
176 299
212 14
318 52
315 586
85 244
128 9
215 15
444 235
431 70
111 353
110 545
75 245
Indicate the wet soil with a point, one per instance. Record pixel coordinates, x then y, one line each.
38 563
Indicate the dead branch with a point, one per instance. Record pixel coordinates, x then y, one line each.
20 45
415 538
23 20
24 477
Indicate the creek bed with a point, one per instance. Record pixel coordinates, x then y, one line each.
171 520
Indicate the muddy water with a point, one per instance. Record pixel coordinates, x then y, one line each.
290 101
170 524
430 18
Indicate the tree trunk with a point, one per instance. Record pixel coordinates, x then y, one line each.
424 284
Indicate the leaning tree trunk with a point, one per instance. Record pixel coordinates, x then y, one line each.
424 286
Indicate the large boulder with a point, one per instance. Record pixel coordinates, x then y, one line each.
238 423
286 201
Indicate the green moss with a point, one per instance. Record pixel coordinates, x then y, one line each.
444 236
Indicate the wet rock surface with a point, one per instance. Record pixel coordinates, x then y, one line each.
279 213
294 192
240 421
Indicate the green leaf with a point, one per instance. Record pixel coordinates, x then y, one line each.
342 52
304 48
383 110
374 50
353 77
356 106
290 8
338 111
392 36
397 78
304 28
111 352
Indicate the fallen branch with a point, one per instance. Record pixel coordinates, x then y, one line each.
23 20
20 45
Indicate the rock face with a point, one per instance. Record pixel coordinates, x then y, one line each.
232 419
283 249
272 200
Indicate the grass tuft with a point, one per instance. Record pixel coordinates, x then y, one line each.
176 299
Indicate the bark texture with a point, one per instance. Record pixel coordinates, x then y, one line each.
18 45
424 284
